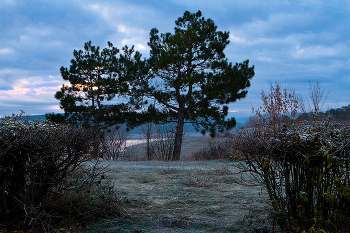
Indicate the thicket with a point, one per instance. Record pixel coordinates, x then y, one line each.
304 165
113 143
48 179
305 169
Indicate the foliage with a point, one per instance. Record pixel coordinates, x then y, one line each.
36 159
87 194
340 114
190 78
95 76
280 106
305 171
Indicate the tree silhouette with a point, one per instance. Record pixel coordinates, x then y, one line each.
189 77
95 76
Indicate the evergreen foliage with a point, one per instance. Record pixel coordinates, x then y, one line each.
95 76
189 77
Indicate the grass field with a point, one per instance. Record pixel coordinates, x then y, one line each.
184 197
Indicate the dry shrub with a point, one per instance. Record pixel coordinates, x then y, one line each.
88 194
159 144
215 151
168 170
200 179
36 159
306 170
113 146
221 169
163 146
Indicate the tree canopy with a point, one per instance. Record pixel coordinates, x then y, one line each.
95 76
187 76
190 78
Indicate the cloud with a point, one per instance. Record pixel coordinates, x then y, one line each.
5 51
16 91
236 39
55 107
319 50
287 41
28 92
7 3
126 32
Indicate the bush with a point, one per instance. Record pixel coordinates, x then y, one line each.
163 147
215 151
113 145
86 195
305 170
37 159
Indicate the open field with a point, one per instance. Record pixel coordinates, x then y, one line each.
184 197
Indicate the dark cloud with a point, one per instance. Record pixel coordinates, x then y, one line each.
287 41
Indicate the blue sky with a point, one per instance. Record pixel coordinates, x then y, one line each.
288 41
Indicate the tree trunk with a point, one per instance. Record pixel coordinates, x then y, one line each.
178 137
149 156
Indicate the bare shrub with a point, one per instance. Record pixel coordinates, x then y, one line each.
214 151
197 178
113 147
317 97
148 131
303 165
163 145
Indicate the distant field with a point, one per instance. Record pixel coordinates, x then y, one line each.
184 197
192 143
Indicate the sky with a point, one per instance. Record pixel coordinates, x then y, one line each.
287 41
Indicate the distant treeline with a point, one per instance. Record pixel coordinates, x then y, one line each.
338 114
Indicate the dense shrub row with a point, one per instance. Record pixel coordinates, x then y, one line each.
46 179
305 169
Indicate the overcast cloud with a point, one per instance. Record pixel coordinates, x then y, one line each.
288 41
